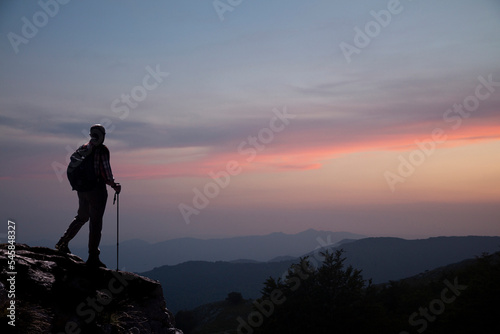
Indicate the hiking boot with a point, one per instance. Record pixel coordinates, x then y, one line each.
95 262
63 247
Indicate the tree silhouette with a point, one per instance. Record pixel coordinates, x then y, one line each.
234 297
317 300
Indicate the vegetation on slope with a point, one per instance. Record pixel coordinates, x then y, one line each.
335 298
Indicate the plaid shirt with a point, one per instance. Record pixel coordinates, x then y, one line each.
102 167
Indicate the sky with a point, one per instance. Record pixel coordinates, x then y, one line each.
237 117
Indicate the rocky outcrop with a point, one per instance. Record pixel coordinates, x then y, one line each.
44 291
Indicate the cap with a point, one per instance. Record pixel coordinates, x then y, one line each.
97 127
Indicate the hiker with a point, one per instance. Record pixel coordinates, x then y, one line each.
92 193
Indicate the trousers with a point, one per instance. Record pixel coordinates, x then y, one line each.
91 207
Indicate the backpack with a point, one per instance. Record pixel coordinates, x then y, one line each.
81 172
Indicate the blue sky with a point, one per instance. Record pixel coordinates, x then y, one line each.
325 170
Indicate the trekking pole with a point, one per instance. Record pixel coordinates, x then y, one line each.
117 200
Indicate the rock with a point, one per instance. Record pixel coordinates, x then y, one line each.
58 293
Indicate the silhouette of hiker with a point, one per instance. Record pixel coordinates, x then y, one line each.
92 203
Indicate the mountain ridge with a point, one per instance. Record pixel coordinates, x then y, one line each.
222 316
139 256
378 258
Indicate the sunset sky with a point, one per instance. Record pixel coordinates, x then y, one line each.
230 118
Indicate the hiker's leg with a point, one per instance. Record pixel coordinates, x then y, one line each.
98 199
81 218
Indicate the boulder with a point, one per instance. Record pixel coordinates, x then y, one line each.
45 291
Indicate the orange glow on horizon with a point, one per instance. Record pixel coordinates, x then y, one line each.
159 163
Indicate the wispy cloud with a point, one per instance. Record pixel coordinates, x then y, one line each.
224 80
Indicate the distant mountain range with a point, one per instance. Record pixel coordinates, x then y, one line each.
384 259
195 283
138 255
473 276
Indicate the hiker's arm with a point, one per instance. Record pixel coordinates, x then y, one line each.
109 174
106 172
